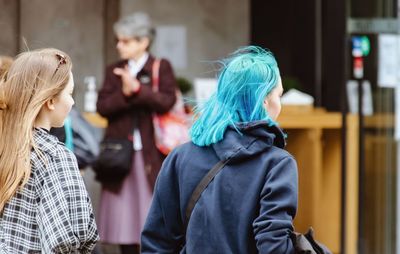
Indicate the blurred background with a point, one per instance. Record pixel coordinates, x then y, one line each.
336 51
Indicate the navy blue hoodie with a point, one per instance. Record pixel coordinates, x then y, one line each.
247 208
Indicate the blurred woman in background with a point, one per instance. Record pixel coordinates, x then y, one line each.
128 102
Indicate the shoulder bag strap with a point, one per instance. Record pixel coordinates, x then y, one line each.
155 74
200 188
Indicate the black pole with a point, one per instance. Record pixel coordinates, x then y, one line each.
318 53
361 172
344 111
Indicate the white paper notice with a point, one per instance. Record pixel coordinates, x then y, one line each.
397 114
170 43
204 88
388 60
352 96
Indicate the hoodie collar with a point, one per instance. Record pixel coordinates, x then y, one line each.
248 139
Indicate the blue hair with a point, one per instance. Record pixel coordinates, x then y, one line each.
246 78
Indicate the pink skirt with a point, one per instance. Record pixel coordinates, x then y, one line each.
122 215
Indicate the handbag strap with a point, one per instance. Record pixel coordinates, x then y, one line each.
156 74
201 187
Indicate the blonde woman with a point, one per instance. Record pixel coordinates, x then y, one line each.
44 206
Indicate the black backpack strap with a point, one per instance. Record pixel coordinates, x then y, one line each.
200 188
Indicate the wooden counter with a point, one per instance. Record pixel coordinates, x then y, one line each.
314 139
95 119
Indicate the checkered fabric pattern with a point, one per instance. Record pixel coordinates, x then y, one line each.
52 213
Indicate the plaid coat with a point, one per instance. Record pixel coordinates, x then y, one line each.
52 213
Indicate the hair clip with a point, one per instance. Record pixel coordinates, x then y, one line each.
61 59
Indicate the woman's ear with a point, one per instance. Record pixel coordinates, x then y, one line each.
50 104
266 102
145 42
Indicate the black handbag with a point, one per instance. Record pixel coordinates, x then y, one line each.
303 244
114 161
306 244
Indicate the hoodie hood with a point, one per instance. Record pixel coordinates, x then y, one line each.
248 139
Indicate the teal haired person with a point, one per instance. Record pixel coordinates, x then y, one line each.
250 204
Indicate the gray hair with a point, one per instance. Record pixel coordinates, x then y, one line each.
137 24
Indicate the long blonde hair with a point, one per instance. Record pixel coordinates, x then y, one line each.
34 78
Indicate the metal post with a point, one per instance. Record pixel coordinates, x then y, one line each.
318 53
361 172
344 110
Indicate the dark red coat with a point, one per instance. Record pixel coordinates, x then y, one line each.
122 111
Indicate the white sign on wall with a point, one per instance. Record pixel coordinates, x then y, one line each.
170 43
388 60
204 88
352 96
397 113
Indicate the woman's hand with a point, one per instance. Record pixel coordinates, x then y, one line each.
130 85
